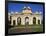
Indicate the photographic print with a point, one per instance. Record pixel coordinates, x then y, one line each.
24 17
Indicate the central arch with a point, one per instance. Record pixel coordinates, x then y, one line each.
26 20
19 21
34 20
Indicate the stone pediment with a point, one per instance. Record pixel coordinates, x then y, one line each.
27 10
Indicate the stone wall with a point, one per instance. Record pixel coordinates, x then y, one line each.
23 16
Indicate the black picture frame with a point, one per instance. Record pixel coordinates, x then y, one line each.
6 17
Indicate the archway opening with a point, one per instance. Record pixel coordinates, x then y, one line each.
14 23
34 20
19 21
38 21
26 20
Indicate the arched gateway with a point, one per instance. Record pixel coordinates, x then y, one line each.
23 18
27 21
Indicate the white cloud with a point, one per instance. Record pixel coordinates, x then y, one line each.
9 13
16 12
12 12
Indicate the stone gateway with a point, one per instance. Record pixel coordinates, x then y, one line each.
25 17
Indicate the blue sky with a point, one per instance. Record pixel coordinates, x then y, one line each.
17 7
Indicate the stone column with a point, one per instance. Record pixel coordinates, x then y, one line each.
30 21
40 21
16 21
22 21
12 22
36 20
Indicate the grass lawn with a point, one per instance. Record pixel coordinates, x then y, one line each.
28 28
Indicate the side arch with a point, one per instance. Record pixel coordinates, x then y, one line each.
19 20
34 20
38 21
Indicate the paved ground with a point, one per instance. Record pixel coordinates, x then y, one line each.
20 29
